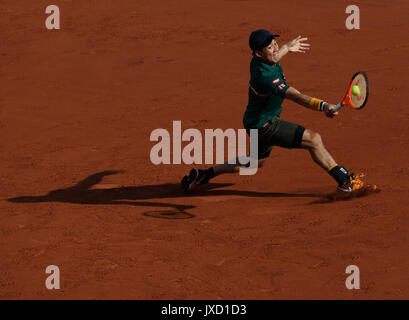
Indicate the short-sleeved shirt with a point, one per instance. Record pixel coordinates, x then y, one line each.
267 89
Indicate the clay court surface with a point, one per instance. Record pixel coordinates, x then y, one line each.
78 189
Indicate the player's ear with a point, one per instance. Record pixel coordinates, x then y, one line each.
257 53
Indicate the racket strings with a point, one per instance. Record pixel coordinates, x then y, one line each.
361 81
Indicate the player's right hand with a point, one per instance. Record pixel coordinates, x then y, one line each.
328 110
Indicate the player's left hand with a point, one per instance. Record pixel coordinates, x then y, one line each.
297 45
328 110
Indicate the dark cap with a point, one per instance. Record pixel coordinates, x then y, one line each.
261 38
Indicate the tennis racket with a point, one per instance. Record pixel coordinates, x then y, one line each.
357 102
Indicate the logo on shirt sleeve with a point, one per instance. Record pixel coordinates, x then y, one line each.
276 80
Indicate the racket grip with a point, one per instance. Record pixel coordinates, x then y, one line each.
338 106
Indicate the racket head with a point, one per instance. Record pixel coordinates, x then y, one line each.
359 79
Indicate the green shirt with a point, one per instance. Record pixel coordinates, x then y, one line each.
266 93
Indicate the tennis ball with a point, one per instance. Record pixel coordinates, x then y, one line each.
355 91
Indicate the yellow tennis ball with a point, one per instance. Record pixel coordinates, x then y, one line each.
355 91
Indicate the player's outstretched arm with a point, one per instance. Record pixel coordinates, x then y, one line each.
309 102
296 45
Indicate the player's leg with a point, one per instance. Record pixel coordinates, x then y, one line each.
264 148
199 176
233 167
312 141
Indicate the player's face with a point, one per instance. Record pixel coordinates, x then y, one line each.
269 54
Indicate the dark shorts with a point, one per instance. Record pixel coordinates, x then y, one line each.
280 133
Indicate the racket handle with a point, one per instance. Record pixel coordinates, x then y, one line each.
338 106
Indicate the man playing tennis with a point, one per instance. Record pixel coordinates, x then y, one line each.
267 90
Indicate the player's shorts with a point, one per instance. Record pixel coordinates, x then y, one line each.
277 132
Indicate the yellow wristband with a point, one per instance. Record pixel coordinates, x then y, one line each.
315 104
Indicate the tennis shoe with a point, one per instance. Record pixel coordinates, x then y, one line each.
194 178
347 186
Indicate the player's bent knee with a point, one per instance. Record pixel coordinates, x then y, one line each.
311 139
316 140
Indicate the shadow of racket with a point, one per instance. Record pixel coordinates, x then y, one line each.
176 213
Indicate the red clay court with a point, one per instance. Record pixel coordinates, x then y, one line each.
78 189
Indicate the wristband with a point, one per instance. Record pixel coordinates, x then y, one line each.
316 104
322 103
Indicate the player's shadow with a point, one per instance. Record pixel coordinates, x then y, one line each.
84 193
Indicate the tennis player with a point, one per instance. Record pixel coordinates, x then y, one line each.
267 90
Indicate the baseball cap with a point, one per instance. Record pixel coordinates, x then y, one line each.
261 38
